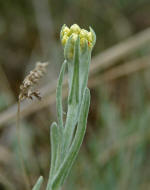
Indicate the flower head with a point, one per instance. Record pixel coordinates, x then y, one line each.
86 37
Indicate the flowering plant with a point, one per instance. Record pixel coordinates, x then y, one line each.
66 138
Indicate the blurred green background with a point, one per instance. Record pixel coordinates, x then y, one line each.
116 151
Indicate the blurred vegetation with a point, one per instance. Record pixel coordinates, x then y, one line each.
115 154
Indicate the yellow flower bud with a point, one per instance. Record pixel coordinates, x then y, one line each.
65 30
75 29
83 33
64 40
89 36
82 42
74 37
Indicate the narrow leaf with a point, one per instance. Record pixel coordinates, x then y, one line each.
54 147
75 147
59 96
94 35
68 48
38 184
84 70
74 92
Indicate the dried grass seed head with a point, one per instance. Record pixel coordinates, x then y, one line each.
26 88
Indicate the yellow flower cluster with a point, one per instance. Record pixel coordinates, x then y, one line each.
76 31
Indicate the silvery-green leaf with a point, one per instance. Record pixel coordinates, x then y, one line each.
38 184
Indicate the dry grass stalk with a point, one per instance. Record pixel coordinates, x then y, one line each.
28 92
